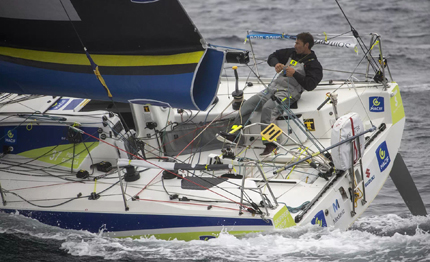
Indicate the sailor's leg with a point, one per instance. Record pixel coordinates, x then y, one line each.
269 113
248 107
246 110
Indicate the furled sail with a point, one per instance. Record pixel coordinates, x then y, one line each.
142 50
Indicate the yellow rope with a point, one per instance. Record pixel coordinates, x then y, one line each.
294 159
95 184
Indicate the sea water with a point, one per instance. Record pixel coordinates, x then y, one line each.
385 232
372 238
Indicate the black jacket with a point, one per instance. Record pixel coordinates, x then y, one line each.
313 68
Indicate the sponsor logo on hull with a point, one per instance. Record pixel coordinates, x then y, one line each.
319 219
338 214
383 156
376 104
10 136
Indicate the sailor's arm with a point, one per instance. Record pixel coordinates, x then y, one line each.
279 58
313 76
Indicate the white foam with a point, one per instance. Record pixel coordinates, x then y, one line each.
415 88
384 238
307 243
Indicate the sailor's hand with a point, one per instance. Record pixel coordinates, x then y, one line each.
279 67
290 71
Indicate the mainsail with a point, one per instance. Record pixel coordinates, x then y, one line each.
143 50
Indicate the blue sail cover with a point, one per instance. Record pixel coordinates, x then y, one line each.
142 49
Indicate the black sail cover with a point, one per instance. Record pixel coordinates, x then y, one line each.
143 49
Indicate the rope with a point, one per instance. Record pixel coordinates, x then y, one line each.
205 128
185 203
83 132
360 41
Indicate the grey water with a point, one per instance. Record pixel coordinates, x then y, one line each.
386 231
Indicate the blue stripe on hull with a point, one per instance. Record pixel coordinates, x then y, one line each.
173 89
25 138
92 222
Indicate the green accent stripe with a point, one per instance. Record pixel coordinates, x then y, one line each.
110 70
191 235
396 103
102 60
61 155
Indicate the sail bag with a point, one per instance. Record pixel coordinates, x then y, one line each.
345 127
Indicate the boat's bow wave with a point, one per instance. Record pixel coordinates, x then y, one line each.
305 243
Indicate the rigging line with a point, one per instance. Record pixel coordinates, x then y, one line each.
106 189
29 202
340 71
201 147
301 126
1 138
66 160
227 47
95 68
28 169
206 127
361 101
345 17
150 183
297 122
89 154
255 108
163 134
228 84
70 20
258 77
71 199
83 132
223 189
93 64
19 102
64 177
191 117
338 35
58 184
124 139
377 41
185 203
353 72
42 168
357 36
5 96
215 185
209 174
253 56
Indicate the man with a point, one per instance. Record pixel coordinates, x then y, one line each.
300 71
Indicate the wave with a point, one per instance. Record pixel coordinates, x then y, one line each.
416 88
373 238
391 224
368 240
234 39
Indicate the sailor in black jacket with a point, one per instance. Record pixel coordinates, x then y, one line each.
300 71
312 67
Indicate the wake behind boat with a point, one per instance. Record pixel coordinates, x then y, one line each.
155 166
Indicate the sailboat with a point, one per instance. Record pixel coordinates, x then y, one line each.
109 122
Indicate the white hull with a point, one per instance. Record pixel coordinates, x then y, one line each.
41 184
